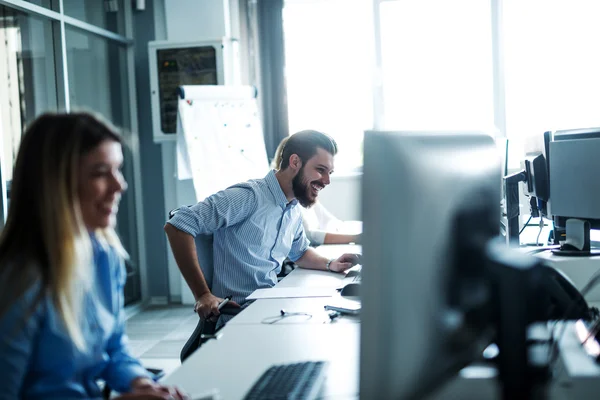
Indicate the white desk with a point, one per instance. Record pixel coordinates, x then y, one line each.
258 311
305 277
578 269
247 347
577 375
235 361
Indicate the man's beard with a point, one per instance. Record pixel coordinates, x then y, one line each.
302 190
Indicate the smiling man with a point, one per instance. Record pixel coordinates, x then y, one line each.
256 225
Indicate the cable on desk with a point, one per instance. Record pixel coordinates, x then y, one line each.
537 240
284 314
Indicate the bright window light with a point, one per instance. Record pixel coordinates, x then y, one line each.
436 68
552 65
437 64
329 59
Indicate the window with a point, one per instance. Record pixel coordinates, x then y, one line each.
51 4
436 67
33 80
107 14
552 66
97 76
27 77
97 70
329 56
436 64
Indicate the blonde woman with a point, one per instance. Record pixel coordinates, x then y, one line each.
61 268
320 226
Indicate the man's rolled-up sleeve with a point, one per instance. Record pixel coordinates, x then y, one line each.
222 209
299 245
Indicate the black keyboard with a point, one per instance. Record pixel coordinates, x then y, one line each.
289 381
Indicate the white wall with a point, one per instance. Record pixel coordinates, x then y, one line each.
191 20
342 197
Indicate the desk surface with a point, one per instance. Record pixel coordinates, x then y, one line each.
248 347
265 310
576 375
237 359
578 269
305 277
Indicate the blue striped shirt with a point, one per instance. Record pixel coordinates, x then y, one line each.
255 229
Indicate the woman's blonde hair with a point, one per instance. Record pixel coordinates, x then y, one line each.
44 239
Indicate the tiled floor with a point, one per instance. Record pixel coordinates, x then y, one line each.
157 335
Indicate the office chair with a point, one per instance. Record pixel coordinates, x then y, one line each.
287 267
205 329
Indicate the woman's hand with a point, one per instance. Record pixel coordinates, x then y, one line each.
147 389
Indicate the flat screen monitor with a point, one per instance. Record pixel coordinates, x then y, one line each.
430 204
574 163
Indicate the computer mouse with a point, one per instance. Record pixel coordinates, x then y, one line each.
351 289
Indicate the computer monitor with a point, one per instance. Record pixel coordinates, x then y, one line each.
430 204
573 165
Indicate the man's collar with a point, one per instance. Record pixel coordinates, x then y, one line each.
277 191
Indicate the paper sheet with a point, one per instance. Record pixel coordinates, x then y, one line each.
290 292
184 166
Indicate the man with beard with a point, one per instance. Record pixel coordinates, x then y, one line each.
320 225
256 225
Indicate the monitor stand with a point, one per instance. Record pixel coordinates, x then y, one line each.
577 243
511 193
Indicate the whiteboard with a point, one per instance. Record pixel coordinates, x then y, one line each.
219 137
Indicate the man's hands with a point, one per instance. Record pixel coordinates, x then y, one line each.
207 306
147 389
345 262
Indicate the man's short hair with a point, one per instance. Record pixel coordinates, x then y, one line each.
305 145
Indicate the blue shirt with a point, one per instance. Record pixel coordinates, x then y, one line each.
255 229
39 361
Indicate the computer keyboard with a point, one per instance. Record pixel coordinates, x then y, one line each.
290 381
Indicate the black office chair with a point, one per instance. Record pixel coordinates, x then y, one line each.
205 329
287 267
